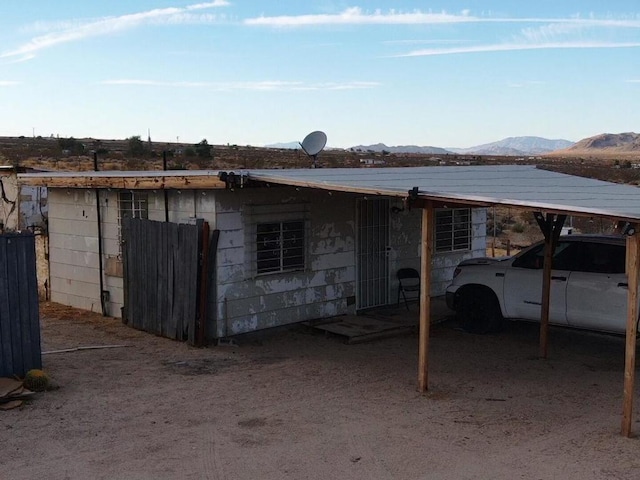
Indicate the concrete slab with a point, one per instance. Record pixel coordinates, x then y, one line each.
381 323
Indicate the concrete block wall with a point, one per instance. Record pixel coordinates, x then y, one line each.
247 301
73 230
242 301
73 249
405 242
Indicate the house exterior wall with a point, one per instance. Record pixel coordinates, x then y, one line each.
247 301
73 241
405 241
21 206
34 207
73 249
241 300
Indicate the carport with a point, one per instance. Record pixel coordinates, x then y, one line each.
550 195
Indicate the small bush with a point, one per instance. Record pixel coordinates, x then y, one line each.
517 228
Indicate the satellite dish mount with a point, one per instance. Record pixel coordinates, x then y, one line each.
313 145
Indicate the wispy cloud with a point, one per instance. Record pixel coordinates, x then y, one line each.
357 16
72 31
509 47
555 33
576 33
270 85
8 83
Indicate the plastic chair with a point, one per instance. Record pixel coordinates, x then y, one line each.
408 283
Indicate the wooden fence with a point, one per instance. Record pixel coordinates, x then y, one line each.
161 278
19 315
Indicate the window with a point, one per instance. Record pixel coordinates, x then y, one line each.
567 256
453 229
280 246
133 205
604 258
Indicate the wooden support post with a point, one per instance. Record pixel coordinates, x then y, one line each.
551 227
546 297
425 296
633 272
203 298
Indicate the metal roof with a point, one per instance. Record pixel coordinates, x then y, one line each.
512 185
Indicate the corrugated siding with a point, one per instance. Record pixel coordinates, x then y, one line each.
19 316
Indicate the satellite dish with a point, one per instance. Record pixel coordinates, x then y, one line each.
313 144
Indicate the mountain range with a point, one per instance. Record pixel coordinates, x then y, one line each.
512 146
628 142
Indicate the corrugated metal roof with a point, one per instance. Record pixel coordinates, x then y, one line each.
515 185
512 185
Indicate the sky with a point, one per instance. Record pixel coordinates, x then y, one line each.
445 74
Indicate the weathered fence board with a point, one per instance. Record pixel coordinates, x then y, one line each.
19 313
161 277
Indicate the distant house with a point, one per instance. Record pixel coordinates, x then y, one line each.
372 162
21 207
287 250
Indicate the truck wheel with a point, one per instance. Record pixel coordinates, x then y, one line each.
479 311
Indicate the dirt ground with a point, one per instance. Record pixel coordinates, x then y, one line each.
294 404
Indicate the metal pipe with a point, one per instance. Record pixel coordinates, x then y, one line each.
166 194
103 303
204 286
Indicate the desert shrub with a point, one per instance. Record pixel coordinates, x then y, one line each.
517 228
497 224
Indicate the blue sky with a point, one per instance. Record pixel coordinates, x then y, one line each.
447 74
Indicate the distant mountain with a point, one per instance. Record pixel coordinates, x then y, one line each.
628 142
515 146
287 145
512 146
379 147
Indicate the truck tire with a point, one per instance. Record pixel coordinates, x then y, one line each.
479 311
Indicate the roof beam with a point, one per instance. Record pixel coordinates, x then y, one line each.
176 182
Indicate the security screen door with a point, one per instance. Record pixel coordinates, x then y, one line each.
372 249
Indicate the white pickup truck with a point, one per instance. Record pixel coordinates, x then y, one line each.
588 286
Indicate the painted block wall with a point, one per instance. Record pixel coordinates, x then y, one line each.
73 251
242 301
34 207
21 206
9 208
246 301
405 241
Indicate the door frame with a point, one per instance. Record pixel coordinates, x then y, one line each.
373 284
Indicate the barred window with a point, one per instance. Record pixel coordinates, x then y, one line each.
453 229
280 246
133 205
